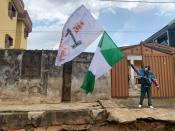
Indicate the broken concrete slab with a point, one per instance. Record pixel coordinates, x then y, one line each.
124 114
13 117
102 116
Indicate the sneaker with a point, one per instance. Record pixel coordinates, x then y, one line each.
140 106
151 107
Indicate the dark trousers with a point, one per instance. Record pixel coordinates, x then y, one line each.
144 90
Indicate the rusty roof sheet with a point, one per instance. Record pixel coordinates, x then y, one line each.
159 47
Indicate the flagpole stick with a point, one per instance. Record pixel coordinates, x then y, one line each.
66 86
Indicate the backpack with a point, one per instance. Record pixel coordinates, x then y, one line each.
144 81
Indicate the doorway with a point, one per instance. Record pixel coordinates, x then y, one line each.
134 87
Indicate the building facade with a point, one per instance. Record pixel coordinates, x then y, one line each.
164 36
15 24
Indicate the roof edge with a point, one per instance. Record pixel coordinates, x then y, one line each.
158 47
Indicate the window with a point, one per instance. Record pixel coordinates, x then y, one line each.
162 39
26 33
8 41
11 10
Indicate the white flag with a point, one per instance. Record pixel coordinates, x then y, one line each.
80 30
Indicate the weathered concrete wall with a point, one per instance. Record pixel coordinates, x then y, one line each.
102 86
31 77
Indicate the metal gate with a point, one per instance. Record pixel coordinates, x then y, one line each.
162 66
120 81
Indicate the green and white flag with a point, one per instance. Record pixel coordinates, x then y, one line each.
107 54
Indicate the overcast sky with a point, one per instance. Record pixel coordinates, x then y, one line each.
126 23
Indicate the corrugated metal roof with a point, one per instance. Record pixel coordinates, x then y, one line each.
159 47
127 47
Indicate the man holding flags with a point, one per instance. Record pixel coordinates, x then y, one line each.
145 78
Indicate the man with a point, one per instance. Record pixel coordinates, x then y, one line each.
145 79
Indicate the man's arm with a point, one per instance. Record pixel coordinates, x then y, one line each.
155 80
135 69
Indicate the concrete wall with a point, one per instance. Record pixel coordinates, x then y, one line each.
30 77
102 86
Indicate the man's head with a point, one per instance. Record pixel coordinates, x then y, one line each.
146 68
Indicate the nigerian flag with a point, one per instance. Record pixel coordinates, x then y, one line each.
107 54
